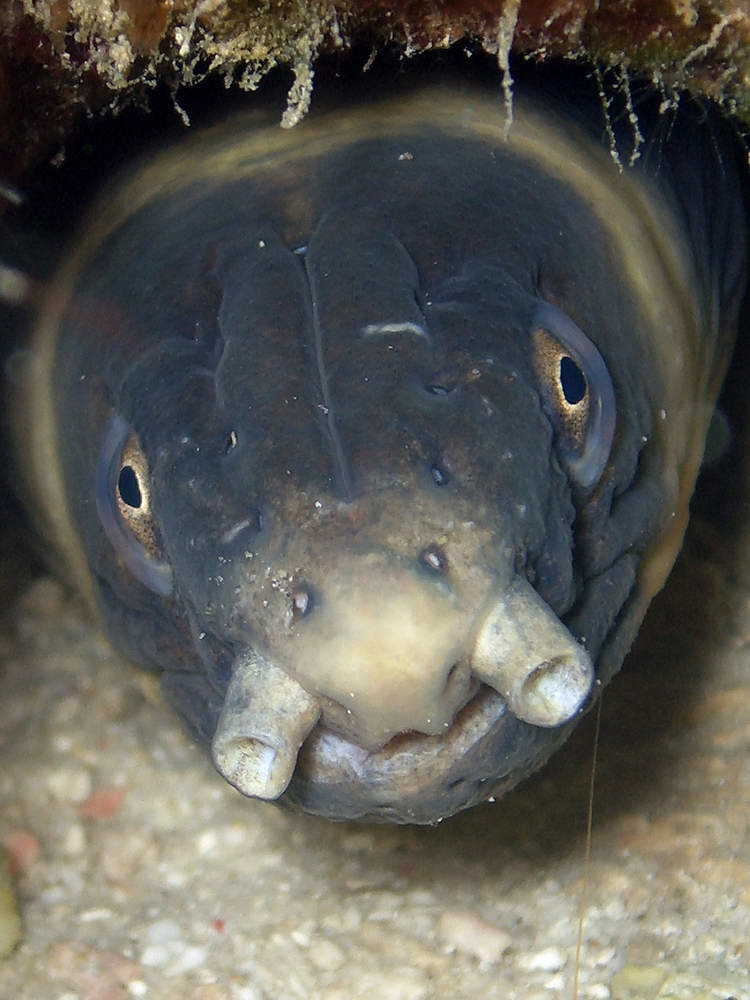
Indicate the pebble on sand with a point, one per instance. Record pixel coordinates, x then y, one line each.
466 931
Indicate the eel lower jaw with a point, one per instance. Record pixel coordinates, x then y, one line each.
420 779
328 764
408 765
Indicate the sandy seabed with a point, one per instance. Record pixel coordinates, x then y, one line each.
139 873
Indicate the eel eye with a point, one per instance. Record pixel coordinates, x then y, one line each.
123 502
577 393
133 496
566 391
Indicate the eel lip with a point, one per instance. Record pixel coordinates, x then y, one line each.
421 779
414 778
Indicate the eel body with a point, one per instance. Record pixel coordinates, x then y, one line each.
376 437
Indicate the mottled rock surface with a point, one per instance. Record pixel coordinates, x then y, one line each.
61 58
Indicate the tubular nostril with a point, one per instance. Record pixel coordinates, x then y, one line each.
528 656
554 687
264 721
434 558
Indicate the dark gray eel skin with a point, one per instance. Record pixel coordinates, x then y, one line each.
376 437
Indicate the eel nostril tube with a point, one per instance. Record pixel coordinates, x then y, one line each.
264 721
527 655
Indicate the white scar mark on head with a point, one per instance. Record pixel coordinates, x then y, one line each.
376 329
231 533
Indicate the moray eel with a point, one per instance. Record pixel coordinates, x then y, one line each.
376 437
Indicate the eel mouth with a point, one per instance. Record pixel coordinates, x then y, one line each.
411 773
419 779
524 673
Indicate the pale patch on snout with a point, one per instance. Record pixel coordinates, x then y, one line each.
381 329
381 650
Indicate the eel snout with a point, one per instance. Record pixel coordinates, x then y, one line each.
396 657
